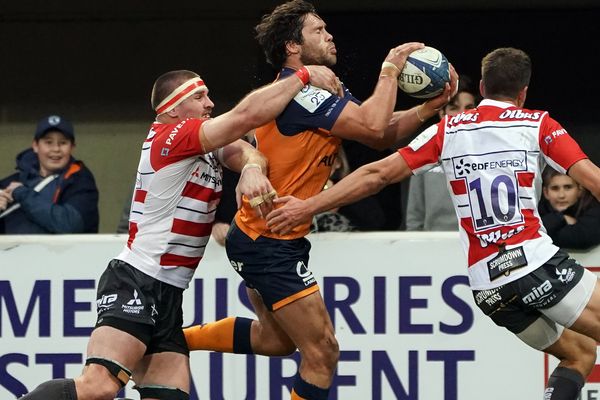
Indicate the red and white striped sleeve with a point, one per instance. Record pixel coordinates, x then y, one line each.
423 153
560 150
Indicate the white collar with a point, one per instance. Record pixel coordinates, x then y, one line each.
495 103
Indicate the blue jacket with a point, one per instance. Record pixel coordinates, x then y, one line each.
68 204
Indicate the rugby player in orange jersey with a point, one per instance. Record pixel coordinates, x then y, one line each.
301 145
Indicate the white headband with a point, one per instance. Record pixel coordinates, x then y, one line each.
181 93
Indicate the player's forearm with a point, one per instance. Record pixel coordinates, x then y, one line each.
252 156
238 154
266 103
377 110
405 123
363 182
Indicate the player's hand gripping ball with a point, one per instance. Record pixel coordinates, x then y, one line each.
425 73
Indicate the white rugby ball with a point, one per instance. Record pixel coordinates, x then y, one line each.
425 73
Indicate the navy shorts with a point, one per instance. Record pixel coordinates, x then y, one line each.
276 269
133 302
518 304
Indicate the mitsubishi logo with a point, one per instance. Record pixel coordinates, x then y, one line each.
135 300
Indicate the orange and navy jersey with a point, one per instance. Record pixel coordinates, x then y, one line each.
300 150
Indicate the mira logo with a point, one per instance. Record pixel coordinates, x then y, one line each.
106 301
538 294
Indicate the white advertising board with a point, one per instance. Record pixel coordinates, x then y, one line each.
404 316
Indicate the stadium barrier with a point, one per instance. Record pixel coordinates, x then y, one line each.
404 316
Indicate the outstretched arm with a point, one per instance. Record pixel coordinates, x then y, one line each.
262 106
363 182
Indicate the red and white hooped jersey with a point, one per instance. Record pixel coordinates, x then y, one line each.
493 156
176 194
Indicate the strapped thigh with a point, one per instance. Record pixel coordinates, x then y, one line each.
117 370
161 392
542 333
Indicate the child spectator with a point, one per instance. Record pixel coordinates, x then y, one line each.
51 192
571 215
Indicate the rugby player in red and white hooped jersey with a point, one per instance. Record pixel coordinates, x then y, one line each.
139 297
493 157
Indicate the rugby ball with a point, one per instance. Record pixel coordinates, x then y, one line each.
425 73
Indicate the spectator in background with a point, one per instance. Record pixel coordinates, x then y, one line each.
571 215
52 192
429 206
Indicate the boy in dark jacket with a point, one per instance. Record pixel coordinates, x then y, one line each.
51 192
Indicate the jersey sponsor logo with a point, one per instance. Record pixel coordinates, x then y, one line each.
304 273
506 261
237 265
520 114
490 297
485 239
540 295
311 97
133 306
106 302
465 168
470 117
328 160
211 178
174 133
557 133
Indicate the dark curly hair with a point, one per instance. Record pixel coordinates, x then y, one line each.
280 27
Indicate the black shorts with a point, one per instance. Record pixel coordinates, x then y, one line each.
519 304
276 269
133 302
